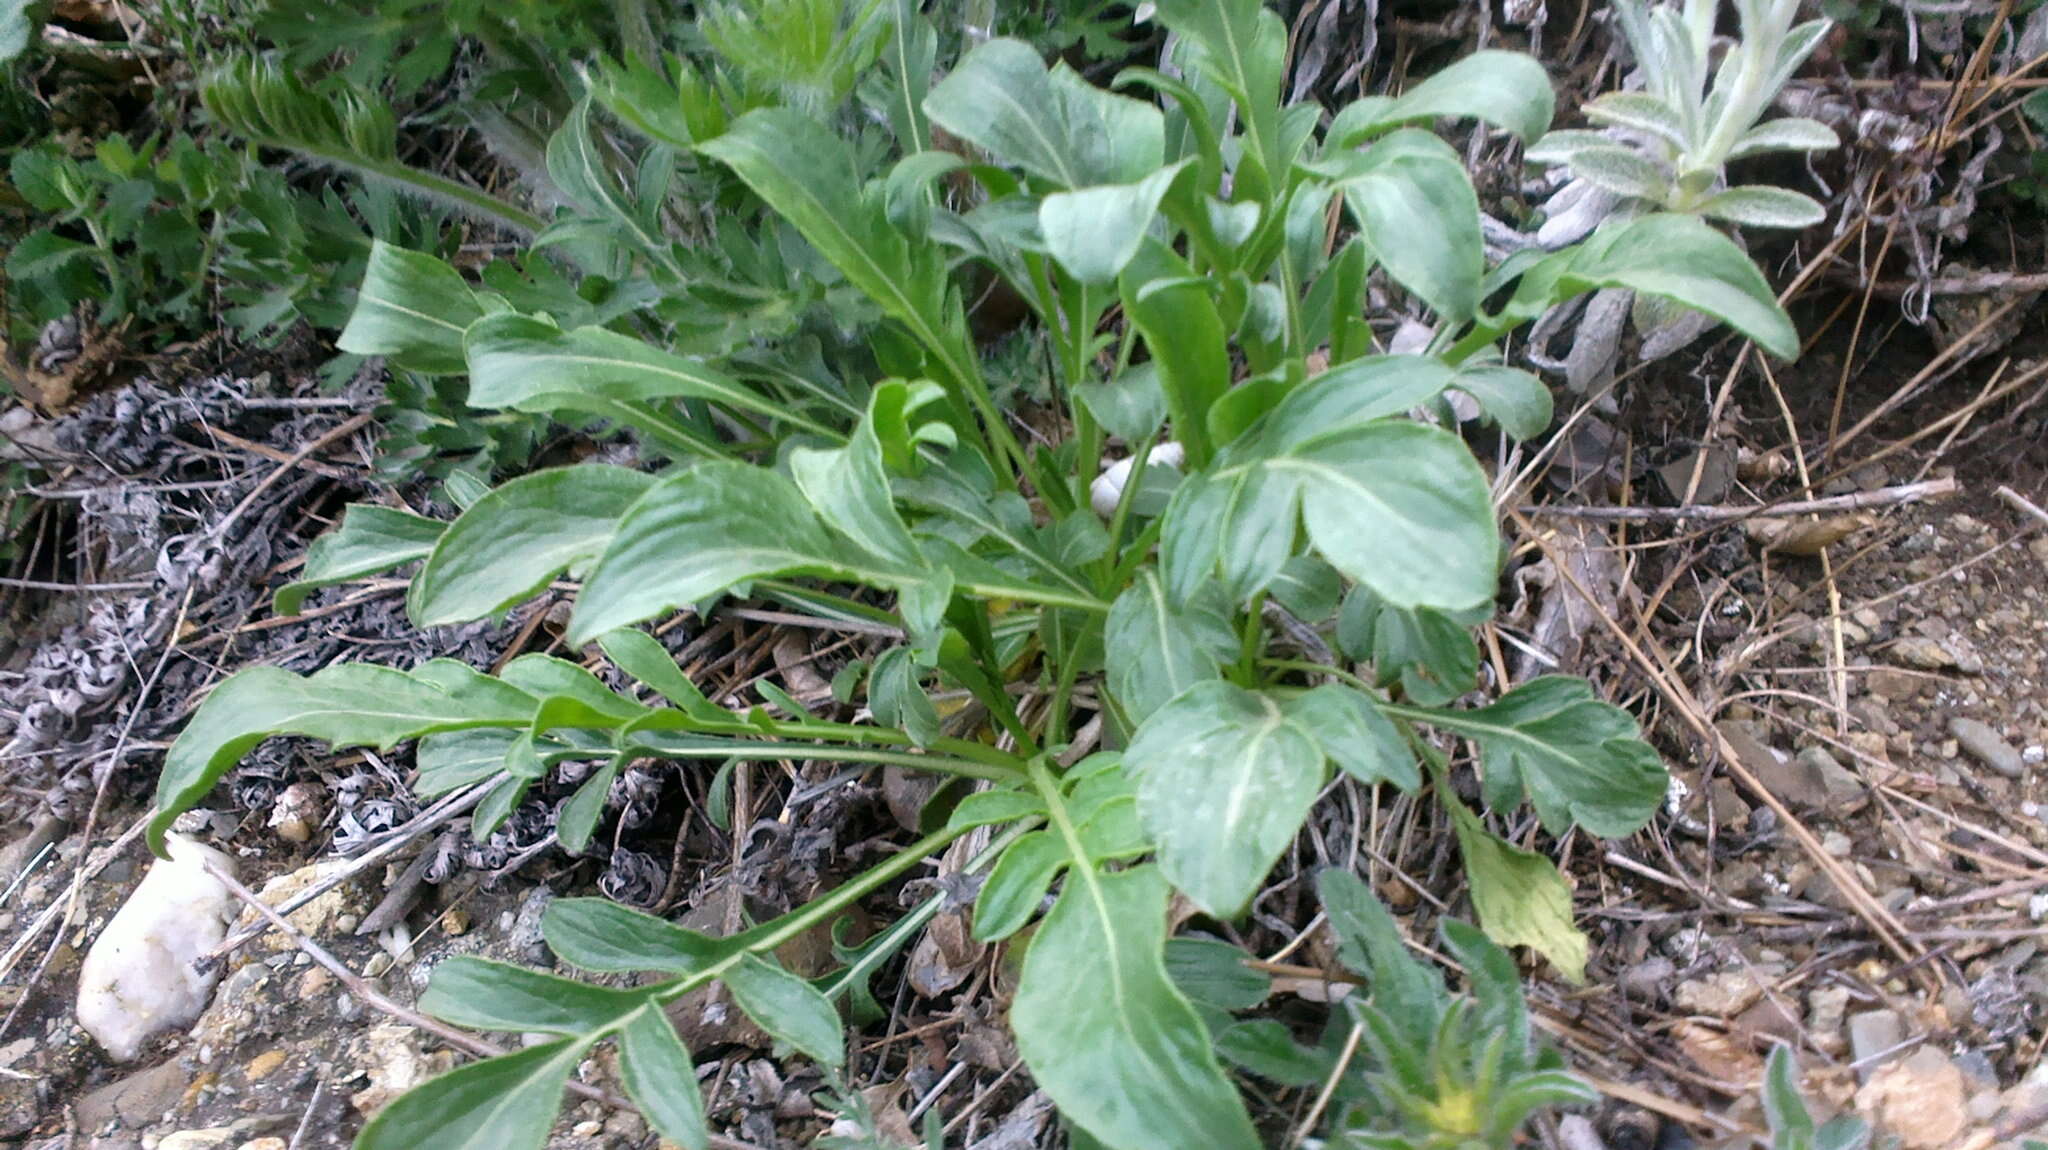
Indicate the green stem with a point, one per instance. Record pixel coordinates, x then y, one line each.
769 935
1248 644
710 748
1141 548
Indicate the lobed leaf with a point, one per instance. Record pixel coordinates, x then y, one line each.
1225 778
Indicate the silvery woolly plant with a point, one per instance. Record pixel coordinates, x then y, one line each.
1152 692
1664 145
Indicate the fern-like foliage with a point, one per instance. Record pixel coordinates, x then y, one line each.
352 131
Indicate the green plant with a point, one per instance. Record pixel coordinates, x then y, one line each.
1666 147
1303 504
1792 1127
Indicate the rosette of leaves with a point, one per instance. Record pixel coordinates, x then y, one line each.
1665 144
1200 208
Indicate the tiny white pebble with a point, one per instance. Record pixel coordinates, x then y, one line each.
2035 753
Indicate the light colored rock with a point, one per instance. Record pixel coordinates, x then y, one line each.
139 979
1922 1100
1985 745
1723 994
1108 488
213 1138
1871 1033
392 1058
264 1144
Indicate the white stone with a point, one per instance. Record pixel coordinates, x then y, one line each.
139 979
1108 489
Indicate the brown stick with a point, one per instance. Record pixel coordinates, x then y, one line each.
1718 513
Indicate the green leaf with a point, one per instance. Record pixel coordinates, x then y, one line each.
1520 897
642 656
577 819
1213 972
787 1007
1506 89
655 1067
1225 778
370 539
346 705
698 533
897 699
503 1103
1095 232
850 487
1407 992
1402 508
1132 406
519 363
810 176
1001 98
1791 1125
412 309
1580 761
522 767
1309 588
1516 400
1616 169
44 252
1349 727
511 543
1685 261
1184 333
1264 1047
1242 47
1003 805
1640 112
603 937
1017 884
1157 650
1106 1034
1431 653
1761 206
571 691
1417 210
454 760
1354 395
1796 134
484 995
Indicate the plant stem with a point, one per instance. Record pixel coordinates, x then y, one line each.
711 747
